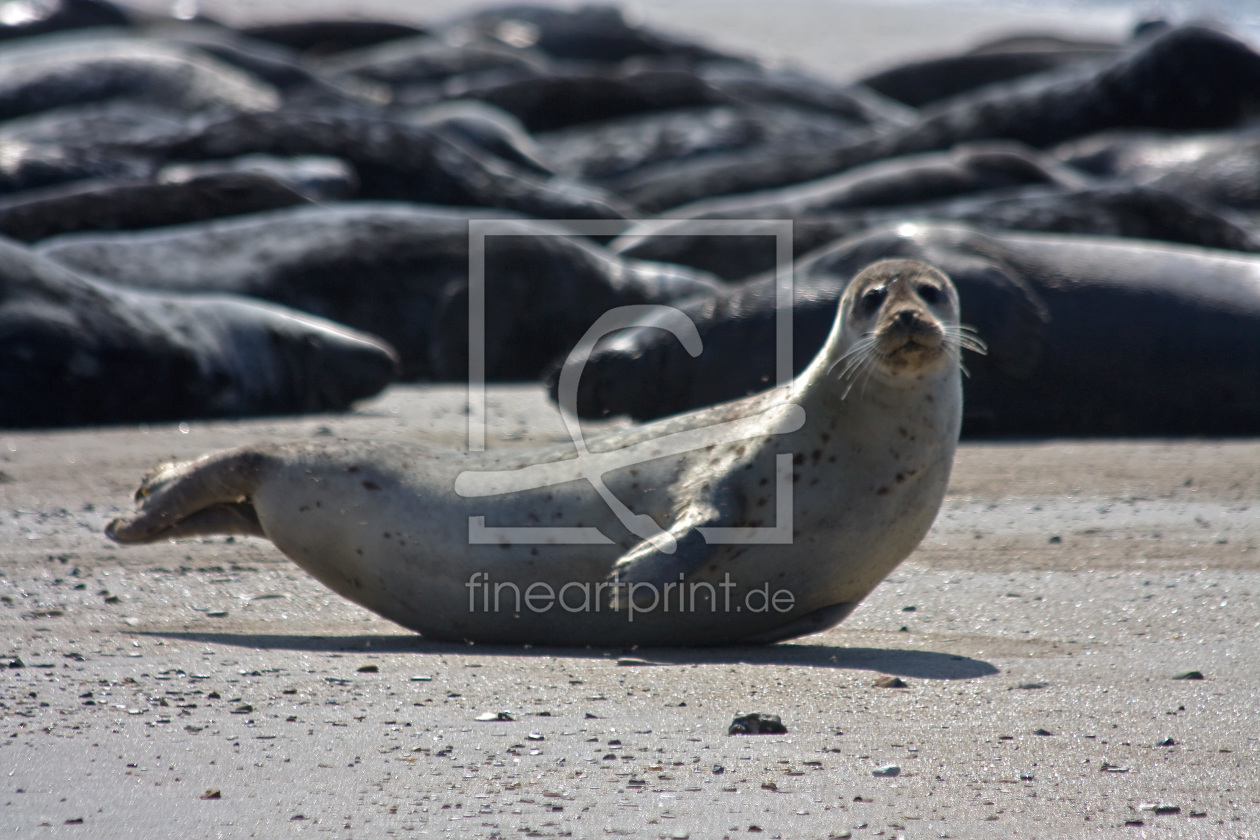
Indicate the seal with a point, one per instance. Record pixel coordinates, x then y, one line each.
285 69
399 271
424 59
397 160
926 81
1213 167
587 33
75 350
609 152
966 169
1112 209
62 15
112 140
74 68
178 194
1077 329
697 511
1190 78
568 94
316 37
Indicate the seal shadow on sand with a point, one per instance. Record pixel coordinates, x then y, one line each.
920 664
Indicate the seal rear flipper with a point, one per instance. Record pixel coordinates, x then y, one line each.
207 496
237 518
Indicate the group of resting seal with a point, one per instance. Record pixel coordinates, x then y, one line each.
312 169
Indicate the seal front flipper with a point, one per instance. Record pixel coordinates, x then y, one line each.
650 565
208 496
647 564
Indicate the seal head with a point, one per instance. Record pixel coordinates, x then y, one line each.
902 319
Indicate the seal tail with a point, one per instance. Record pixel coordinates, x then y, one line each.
210 495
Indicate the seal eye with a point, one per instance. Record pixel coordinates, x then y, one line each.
929 294
872 299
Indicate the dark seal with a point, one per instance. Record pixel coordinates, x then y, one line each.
1086 335
76 351
399 271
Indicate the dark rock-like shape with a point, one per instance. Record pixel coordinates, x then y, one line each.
321 37
923 82
73 69
613 152
757 724
1219 167
1086 335
1108 210
1186 79
424 60
596 33
397 271
395 160
48 16
572 94
177 195
75 351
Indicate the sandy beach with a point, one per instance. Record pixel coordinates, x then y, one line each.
1074 641
1040 630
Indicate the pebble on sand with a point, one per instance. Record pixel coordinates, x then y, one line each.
756 724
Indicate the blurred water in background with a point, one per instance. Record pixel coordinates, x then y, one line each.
839 38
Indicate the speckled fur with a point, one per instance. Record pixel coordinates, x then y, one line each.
379 522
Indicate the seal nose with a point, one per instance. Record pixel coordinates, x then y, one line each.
907 318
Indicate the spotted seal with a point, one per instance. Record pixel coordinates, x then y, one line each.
692 534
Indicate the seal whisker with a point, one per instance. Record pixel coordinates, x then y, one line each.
862 355
859 347
853 368
965 337
873 359
954 345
